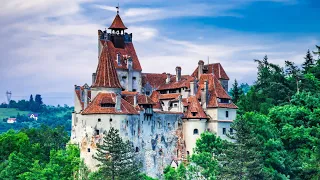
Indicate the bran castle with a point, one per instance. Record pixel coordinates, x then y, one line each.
162 115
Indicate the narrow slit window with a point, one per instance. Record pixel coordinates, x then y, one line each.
224 131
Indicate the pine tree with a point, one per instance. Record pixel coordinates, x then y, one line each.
308 63
31 99
317 53
235 92
240 159
116 157
293 71
38 99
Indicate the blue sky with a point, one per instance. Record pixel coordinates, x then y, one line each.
48 46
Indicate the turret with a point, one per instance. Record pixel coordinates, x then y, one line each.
117 31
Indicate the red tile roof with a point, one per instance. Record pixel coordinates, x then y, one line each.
155 80
141 99
128 50
215 69
106 75
184 82
169 96
155 98
117 23
215 90
126 93
95 106
194 107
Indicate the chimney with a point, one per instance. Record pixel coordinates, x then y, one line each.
178 73
118 102
94 75
200 68
168 78
191 88
135 100
204 95
85 97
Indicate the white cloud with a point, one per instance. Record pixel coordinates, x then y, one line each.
108 8
50 45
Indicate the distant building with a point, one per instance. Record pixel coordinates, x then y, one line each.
33 116
11 120
162 115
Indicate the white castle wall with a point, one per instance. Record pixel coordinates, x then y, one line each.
155 138
188 132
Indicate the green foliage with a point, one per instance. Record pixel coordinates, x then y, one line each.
308 63
175 174
38 154
236 92
117 158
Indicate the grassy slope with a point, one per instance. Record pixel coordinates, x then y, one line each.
7 112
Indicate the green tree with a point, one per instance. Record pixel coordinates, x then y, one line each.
308 63
293 72
31 99
170 173
117 158
235 92
317 52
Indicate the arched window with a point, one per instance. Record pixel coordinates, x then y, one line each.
195 131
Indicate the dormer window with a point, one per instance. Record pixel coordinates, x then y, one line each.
223 100
107 105
194 113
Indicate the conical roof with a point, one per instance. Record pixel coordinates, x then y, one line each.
106 75
117 23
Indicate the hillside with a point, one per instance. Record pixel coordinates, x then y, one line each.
11 112
48 115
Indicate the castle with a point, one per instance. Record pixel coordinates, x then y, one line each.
162 115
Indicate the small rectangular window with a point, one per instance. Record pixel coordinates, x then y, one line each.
124 77
88 149
227 114
224 131
134 78
175 105
134 90
231 131
97 132
147 93
194 113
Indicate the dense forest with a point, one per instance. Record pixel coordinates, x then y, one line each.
277 136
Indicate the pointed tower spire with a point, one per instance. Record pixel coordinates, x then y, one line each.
117 23
118 7
106 75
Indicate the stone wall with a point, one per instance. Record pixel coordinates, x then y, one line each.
156 139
